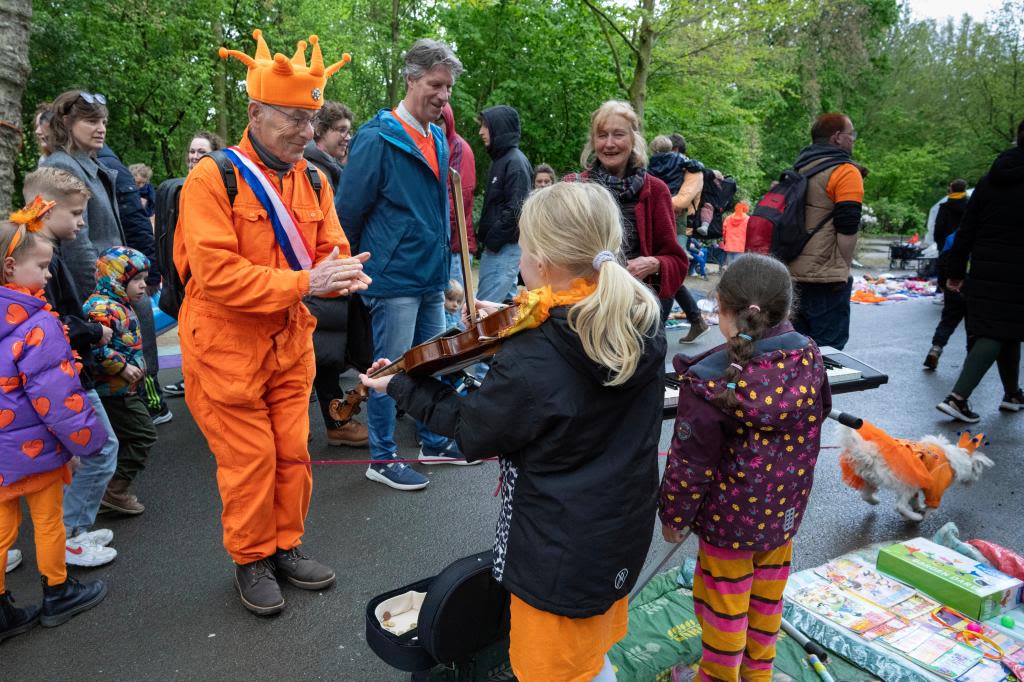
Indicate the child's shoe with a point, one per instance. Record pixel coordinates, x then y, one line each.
931 361
14 621
118 498
62 602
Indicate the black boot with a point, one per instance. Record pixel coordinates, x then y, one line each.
258 587
14 621
62 602
301 571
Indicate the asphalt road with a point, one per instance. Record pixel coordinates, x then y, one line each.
173 613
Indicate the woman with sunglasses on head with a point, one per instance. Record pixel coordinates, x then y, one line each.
78 130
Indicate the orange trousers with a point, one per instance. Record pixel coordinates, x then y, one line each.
46 507
247 383
546 647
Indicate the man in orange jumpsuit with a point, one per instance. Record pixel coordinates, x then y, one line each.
246 337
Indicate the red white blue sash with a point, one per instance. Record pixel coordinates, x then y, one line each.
286 230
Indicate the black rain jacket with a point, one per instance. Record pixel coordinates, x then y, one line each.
509 180
579 463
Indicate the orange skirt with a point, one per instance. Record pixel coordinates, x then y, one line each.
545 647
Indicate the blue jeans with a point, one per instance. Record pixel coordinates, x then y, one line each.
823 311
82 496
399 324
456 270
498 272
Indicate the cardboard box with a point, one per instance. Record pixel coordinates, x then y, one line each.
971 587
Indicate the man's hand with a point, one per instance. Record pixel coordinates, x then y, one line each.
954 285
673 535
338 275
643 266
105 335
131 373
380 385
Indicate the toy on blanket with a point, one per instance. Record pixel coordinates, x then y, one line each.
918 471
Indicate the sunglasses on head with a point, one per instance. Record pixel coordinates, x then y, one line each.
93 98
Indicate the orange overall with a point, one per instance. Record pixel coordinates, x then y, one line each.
247 349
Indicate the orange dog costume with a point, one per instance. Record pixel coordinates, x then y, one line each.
246 337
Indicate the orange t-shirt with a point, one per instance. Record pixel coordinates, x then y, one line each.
846 184
424 143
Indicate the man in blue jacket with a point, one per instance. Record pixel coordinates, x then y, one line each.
393 202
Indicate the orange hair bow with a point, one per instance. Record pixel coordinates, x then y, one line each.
32 215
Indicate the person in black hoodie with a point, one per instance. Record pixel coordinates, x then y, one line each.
991 238
947 220
572 409
60 223
509 181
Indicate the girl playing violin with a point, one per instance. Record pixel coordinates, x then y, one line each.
572 408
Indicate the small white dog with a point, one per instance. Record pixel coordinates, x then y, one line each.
918 471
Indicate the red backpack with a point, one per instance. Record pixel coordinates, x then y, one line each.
776 226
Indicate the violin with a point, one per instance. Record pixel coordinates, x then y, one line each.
451 350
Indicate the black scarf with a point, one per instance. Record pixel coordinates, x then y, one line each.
626 191
268 159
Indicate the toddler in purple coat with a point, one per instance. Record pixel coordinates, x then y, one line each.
741 465
45 420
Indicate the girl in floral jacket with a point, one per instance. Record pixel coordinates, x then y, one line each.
741 465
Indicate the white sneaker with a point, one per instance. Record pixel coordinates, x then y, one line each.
13 559
101 537
87 554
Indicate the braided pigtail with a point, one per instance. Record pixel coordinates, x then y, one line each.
756 290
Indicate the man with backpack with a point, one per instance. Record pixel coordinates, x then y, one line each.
809 220
251 245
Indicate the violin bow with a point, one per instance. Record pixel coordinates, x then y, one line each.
460 216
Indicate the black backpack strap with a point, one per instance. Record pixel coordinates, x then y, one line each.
314 179
227 173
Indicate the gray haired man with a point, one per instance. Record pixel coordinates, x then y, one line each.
393 201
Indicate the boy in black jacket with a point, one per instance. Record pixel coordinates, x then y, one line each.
61 222
509 181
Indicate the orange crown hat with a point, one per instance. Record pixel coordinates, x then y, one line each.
286 82
971 443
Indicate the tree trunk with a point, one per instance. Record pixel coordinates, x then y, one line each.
642 69
394 52
15 25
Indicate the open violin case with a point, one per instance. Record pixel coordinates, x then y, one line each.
461 611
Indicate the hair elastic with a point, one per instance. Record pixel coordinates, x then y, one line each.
601 258
739 367
753 306
731 385
15 240
745 337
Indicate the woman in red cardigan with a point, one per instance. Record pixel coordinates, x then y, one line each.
616 156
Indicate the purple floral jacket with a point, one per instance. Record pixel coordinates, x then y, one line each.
45 417
740 478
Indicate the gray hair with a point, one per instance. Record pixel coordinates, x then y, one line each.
425 54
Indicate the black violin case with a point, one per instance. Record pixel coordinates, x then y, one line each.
465 610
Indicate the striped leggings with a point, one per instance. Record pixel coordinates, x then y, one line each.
737 596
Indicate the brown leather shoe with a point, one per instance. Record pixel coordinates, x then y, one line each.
351 433
118 498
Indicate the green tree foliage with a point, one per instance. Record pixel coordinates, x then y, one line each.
742 81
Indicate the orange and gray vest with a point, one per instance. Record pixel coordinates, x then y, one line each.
820 261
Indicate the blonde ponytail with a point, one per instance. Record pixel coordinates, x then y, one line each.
568 225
